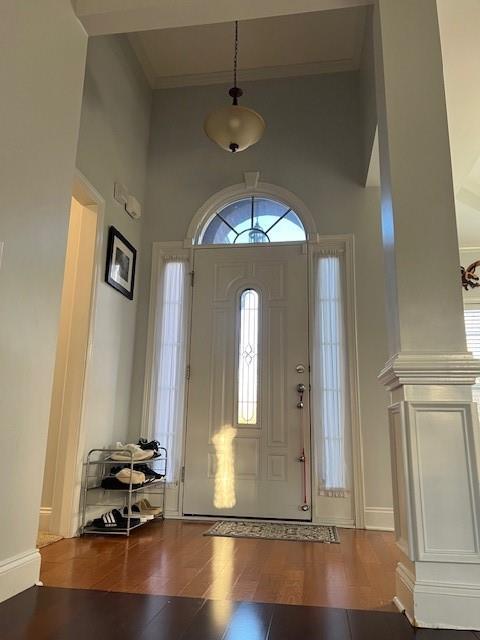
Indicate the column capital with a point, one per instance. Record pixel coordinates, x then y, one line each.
427 368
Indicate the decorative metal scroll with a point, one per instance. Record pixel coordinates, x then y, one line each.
469 279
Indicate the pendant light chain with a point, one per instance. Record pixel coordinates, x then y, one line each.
235 56
235 91
234 128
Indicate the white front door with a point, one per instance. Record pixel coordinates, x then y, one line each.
249 350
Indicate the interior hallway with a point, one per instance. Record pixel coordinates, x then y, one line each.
173 558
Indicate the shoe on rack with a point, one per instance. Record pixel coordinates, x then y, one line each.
113 520
127 476
154 445
147 508
149 473
111 483
129 452
135 512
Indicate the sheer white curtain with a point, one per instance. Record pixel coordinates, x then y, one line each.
171 360
330 391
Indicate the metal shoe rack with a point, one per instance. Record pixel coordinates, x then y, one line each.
97 466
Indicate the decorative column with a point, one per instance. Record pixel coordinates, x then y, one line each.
434 428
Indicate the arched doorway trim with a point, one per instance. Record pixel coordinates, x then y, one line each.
238 191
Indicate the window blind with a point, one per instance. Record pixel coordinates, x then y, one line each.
472 330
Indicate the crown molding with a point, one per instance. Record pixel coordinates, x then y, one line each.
429 369
136 44
102 17
264 73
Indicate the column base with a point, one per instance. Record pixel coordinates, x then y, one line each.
437 604
435 454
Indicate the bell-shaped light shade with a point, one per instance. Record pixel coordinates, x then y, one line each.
234 128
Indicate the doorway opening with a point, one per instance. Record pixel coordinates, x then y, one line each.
62 471
264 422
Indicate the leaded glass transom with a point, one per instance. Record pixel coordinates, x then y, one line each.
254 220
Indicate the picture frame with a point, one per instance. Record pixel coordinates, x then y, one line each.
121 262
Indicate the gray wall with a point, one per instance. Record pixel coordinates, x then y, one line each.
112 146
41 74
368 92
372 353
314 147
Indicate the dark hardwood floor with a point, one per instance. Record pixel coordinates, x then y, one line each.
48 613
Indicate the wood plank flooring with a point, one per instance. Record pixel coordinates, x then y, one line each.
173 558
47 613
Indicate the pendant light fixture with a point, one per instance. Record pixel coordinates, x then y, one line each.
232 127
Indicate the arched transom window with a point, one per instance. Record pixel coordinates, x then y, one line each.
253 220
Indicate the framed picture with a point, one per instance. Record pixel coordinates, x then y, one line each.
121 259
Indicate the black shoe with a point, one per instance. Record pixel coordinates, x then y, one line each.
113 520
114 470
149 473
154 444
110 483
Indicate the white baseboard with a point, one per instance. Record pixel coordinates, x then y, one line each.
379 518
19 573
446 605
342 523
404 590
437 605
44 522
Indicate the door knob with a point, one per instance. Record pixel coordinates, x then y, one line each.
301 391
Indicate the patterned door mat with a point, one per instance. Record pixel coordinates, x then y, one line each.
275 531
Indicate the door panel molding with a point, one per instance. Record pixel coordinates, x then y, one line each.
230 474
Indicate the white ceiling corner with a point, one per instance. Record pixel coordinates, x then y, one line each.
362 17
137 46
280 46
101 17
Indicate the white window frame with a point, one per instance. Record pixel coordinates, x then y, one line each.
257 423
174 493
344 244
314 244
235 192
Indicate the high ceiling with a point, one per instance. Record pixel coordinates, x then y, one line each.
327 41
461 62
459 22
280 46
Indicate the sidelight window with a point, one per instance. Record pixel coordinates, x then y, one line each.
171 360
330 389
247 403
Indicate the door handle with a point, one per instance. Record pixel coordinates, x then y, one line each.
300 391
